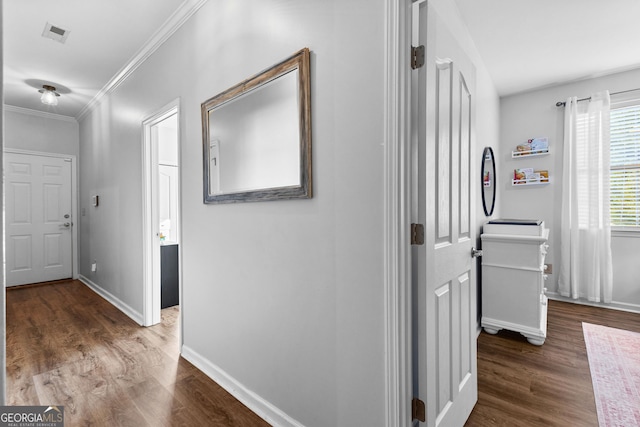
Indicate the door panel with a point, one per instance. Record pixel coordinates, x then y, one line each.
38 218
168 201
20 249
53 250
445 280
465 159
51 207
18 202
443 166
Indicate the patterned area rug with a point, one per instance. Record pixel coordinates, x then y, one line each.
614 360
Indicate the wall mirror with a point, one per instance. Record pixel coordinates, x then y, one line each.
488 181
257 136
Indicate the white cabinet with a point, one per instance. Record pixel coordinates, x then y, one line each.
513 279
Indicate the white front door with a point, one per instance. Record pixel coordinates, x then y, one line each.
444 272
37 218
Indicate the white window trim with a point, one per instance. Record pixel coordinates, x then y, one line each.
621 101
625 231
625 99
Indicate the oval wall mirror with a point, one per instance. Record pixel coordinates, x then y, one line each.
488 181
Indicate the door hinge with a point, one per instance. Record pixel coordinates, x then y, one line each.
417 56
417 234
418 411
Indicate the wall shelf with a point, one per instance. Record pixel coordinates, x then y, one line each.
530 153
525 182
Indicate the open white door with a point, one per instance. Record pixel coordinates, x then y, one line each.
444 273
38 217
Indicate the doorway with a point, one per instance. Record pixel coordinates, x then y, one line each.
161 213
39 215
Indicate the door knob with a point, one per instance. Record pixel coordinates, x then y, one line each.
67 224
476 252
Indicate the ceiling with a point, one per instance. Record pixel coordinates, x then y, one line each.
529 44
104 36
525 44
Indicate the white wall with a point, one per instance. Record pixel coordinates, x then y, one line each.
35 131
286 297
533 114
165 134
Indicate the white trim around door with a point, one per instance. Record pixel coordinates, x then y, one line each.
150 222
397 191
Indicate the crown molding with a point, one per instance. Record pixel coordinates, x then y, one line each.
171 25
37 113
571 80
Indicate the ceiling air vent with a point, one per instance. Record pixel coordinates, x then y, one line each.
55 33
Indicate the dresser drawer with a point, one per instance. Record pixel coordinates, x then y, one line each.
526 252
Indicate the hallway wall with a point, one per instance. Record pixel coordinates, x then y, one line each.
286 298
35 131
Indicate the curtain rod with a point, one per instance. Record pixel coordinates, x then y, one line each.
562 103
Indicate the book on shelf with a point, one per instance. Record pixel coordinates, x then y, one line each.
532 146
530 175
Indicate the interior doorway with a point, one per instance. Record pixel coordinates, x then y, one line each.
161 213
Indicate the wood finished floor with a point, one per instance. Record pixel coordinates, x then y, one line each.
68 346
524 385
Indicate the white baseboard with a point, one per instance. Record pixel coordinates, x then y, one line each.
614 305
133 314
257 404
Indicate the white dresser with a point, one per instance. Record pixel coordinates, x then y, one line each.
513 279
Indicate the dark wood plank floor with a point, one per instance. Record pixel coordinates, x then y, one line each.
524 385
68 346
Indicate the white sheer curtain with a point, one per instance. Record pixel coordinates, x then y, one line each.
585 240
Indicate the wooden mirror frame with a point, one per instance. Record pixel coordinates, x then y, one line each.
299 61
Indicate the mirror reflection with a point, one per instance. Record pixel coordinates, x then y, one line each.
254 143
257 136
488 181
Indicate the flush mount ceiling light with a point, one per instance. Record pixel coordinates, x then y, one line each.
49 95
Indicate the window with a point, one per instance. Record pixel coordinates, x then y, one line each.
625 164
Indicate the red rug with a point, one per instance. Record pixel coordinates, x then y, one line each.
614 360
